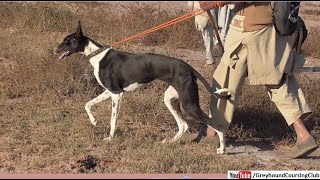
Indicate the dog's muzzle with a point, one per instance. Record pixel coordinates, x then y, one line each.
56 51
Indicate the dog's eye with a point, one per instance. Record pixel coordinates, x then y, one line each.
66 42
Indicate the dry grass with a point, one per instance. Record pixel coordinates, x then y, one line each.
43 125
312 11
311 45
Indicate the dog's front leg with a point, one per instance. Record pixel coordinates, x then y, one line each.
105 95
116 99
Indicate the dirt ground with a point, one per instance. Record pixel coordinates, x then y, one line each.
43 126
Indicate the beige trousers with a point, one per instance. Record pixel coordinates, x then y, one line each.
287 95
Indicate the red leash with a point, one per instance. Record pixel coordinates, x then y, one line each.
163 25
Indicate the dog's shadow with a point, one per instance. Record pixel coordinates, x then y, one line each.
312 157
248 146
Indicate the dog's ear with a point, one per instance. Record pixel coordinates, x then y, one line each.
79 30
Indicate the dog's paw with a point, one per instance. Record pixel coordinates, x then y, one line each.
169 141
220 151
164 141
93 121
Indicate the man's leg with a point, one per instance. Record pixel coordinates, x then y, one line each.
232 78
222 110
226 77
208 39
301 131
292 104
216 51
228 17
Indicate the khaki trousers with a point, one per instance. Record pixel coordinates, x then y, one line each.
287 95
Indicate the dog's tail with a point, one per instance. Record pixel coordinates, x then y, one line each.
216 93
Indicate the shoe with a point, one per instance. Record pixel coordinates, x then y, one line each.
203 140
302 150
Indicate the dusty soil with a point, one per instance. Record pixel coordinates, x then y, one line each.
48 131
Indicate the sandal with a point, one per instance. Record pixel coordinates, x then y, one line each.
302 150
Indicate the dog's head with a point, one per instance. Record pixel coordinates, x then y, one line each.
72 43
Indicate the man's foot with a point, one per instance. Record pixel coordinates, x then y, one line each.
305 148
193 137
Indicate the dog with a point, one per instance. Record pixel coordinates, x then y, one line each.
118 72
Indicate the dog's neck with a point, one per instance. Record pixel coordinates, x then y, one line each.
93 48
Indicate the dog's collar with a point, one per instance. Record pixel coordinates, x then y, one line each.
94 53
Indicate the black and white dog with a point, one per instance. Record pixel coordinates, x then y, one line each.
118 72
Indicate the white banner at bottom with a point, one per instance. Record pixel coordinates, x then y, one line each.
247 174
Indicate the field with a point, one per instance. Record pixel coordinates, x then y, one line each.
45 129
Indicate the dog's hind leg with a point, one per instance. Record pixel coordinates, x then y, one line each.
222 140
116 99
171 100
190 102
105 95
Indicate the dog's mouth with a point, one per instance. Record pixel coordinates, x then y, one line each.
67 53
